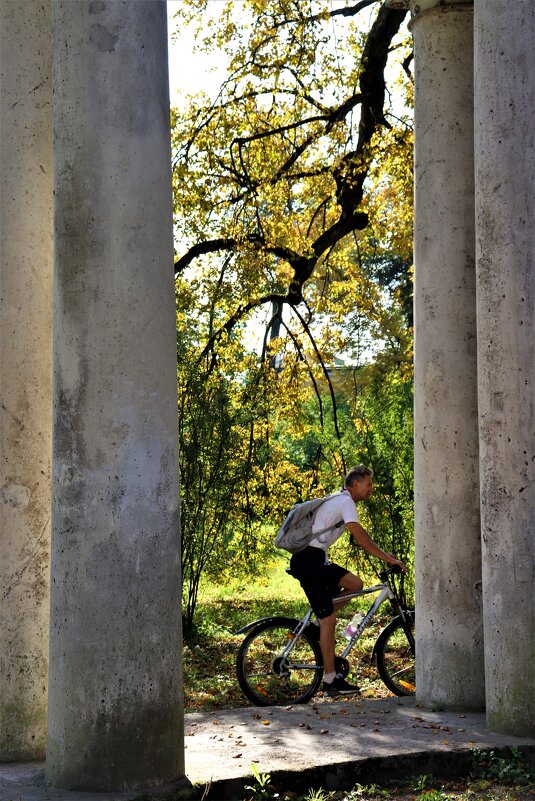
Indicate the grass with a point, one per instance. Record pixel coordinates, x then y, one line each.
210 651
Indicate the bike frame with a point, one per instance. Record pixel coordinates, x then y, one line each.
385 594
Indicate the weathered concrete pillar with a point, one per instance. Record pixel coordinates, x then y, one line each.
448 555
25 368
505 211
115 714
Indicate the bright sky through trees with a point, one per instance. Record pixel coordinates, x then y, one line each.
190 71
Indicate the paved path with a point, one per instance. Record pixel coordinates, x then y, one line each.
330 743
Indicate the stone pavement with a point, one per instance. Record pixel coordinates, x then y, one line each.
328 743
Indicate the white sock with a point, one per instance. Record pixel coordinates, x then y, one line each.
328 678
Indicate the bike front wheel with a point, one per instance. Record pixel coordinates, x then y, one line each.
395 656
266 676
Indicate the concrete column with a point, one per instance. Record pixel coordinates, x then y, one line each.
115 715
25 369
448 556
505 210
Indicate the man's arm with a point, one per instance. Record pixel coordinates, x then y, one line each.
362 538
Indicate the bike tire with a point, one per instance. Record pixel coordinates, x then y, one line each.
395 656
268 681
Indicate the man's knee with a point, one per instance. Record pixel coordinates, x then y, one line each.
351 583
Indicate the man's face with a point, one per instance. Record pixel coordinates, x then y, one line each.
361 489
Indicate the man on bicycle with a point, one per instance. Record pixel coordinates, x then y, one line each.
322 579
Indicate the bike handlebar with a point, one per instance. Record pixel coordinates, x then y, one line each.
390 572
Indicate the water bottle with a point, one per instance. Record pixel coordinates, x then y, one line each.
354 623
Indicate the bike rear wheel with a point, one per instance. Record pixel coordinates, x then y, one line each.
395 656
267 678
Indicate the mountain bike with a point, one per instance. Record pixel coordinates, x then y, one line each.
279 662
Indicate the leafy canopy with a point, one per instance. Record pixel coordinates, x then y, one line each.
292 195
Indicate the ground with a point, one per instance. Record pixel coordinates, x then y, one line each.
213 642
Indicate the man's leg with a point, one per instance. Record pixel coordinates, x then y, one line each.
351 583
333 682
327 627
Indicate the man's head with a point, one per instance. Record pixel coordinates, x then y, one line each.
358 482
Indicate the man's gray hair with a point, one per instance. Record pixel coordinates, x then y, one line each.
357 473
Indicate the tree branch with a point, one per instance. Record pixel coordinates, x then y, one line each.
327 377
200 249
236 317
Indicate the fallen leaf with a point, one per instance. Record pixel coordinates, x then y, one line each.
324 731
266 723
236 756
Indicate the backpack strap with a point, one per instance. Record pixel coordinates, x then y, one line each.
336 525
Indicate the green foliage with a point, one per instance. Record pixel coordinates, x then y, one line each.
318 795
421 782
262 788
433 795
361 791
511 769
213 466
378 427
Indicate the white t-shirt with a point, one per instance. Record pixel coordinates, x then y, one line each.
341 507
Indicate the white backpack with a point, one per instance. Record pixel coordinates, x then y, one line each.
296 532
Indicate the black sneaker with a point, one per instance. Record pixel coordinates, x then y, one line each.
339 685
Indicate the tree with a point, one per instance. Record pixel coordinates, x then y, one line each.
286 188
271 176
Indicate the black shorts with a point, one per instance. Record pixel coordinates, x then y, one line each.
318 580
